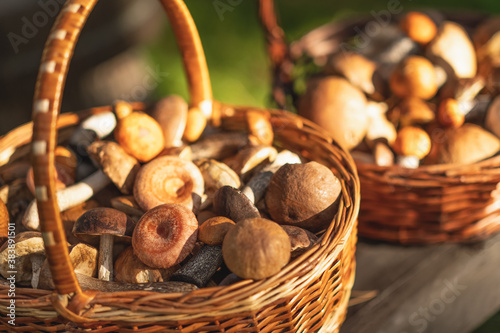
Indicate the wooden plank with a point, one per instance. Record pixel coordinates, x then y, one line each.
427 289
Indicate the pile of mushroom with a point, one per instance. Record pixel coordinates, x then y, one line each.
429 96
141 206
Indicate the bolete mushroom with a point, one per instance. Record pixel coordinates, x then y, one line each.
137 133
418 27
449 113
233 204
22 258
337 106
106 223
300 239
414 76
213 230
165 235
83 257
303 195
119 166
467 144
67 198
216 174
256 249
171 114
453 50
129 269
169 179
249 158
412 145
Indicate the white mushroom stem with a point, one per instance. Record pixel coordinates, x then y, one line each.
466 95
68 197
102 124
36 268
410 162
257 185
106 258
383 154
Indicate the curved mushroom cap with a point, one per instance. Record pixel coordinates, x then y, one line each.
250 157
256 249
26 244
418 27
140 136
213 230
217 174
169 179
165 235
413 111
129 269
171 114
449 113
453 49
104 221
337 106
414 76
300 239
358 70
303 195
233 204
467 144
62 179
412 141
492 121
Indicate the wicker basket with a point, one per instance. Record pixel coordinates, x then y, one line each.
308 295
430 204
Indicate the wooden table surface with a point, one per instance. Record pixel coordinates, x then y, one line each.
448 288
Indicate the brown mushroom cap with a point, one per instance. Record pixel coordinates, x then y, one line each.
119 166
300 239
69 217
213 230
104 221
140 136
467 144
171 114
412 111
304 195
418 27
169 179
412 141
337 106
231 203
414 76
165 235
129 269
449 113
256 249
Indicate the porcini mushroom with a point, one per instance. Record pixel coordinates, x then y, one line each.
453 50
303 195
69 197
216 174
165 235
414 76
83 258
137 133
300 239
23 257
171 114
337 106
256 249
418 27
467 144
231 203
105 223
169 179
213 230
129 269
119 166
412 145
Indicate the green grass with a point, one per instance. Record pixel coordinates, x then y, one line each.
236 56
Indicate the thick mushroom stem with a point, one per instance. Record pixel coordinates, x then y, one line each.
410 162
97 126
36 268
69 197
257 185
106 258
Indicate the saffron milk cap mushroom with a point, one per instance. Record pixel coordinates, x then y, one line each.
165 235
169 179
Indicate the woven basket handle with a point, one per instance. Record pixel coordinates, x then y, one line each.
279 54
47 101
